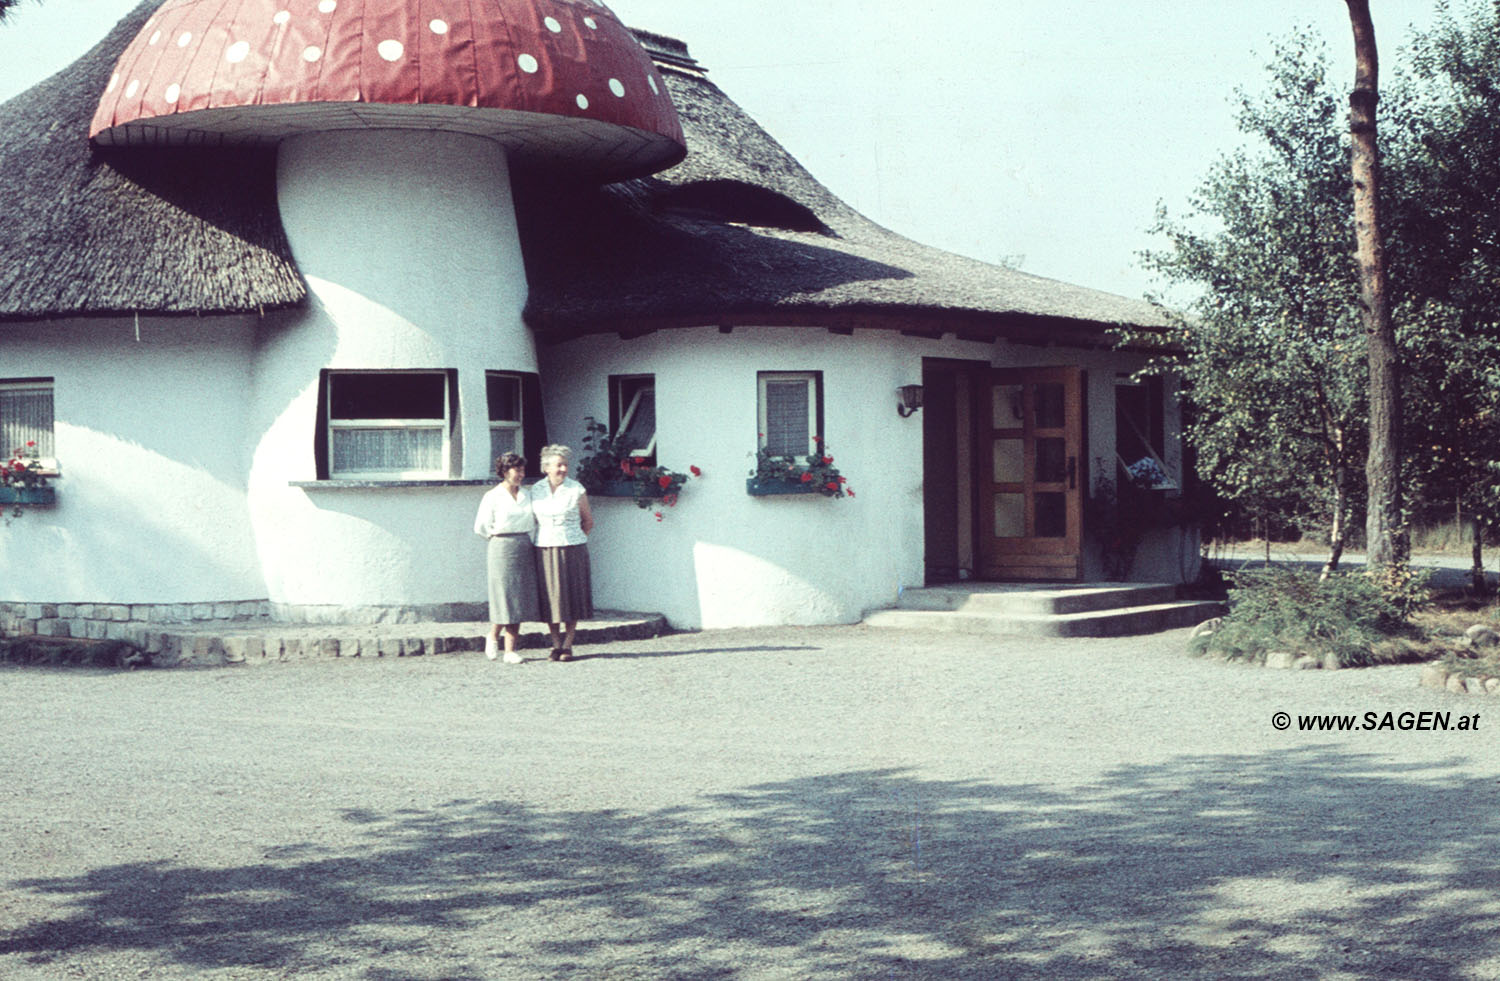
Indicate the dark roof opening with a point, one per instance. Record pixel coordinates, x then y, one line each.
733 201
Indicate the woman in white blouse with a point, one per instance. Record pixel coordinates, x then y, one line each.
563 523
505 518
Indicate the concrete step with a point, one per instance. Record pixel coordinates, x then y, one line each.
1009 599
1125 621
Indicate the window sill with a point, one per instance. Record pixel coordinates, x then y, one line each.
368 484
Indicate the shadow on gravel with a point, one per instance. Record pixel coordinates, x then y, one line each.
1304 864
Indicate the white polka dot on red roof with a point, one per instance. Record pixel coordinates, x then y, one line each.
114 80
652 82
173 92
617 87
591 23
237 52
311 53
154 38
132 89
185 39
582 100
553 25
390 50
282 16
528 63
328 6
438 27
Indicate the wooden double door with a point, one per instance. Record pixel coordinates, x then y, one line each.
1031 475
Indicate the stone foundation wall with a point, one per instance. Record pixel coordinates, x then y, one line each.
110 621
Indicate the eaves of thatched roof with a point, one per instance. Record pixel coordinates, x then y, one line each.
741 233
90 232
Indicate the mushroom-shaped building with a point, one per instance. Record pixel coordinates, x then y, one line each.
396 123
279 279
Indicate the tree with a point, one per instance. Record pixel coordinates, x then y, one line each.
1270 348
1445 242
1385 523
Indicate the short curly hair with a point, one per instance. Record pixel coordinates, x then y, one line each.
555 450
508 461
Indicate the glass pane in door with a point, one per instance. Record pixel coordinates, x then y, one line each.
1007 406
1010 515
1010 461
1050 405
1051 459
1051 515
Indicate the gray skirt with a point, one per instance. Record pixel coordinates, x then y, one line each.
567 593
511 564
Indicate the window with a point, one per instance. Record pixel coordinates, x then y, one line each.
1139 434
791 411
389 424
503 392
632 414
26 417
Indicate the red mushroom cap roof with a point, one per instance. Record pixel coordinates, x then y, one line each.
550 79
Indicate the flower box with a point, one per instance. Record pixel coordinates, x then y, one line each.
766 488
28 495
616 488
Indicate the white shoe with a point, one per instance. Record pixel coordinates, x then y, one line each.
511 657
491 647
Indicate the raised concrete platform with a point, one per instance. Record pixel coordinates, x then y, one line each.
1082 610
260 640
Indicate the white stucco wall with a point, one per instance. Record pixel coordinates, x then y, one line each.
408 242
722 558
149 427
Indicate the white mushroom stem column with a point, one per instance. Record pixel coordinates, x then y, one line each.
409 246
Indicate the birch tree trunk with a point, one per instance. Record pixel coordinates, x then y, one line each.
1385 530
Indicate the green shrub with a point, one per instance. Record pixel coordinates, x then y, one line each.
1289 609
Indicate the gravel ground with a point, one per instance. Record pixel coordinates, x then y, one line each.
820 803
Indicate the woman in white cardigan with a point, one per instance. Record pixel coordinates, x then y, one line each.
563 522
505 518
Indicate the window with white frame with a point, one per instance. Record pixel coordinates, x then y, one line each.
26 417
633 414
790 408
388 424
503 392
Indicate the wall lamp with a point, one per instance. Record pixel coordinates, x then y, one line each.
911 399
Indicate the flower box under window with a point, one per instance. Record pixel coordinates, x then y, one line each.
767 488
28 495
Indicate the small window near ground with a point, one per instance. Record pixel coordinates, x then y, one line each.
388 425
503 392
26 418
1140 435
632 410
790 407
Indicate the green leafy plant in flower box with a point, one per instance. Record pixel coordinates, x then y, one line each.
608 469
810 474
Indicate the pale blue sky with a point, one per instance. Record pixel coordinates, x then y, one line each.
1045 129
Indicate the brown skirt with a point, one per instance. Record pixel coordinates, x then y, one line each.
563 574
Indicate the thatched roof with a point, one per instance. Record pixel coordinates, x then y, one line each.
741 233
738 233
86 232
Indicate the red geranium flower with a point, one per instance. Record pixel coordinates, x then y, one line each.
832 485
658 516
849 491
670 500
664 482
625 467
807 478
640 459
843 480
817 439
827 460
31 442
695 471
